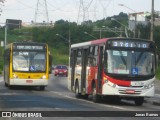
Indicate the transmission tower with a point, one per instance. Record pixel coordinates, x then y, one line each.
105 4
83 14
41 13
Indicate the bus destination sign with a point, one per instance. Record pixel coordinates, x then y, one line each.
28 47
131 44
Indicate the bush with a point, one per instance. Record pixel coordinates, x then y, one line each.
58 57
158 73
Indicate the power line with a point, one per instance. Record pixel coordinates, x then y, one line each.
25 4
58 8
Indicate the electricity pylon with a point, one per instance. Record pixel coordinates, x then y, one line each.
41 13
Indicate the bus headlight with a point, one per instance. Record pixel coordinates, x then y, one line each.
149 85
15 76
44 77
106 81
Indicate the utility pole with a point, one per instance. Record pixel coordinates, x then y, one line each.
135 21
135 24
152 21
5 36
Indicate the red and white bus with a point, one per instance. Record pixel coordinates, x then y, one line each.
119 68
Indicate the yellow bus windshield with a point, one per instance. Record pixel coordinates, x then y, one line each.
29 61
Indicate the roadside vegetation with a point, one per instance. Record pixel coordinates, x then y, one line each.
59 45
158 73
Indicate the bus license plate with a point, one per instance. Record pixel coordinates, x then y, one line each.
29 81
130 91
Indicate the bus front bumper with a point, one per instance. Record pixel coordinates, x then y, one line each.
29 82
128 91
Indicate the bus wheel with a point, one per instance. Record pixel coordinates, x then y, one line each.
10 87
85 96
95 97
42 87
77 94
6 85
139 101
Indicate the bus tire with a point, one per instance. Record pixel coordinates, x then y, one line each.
77 94
42 87
10 87
139 101
6 85
95 96
85 96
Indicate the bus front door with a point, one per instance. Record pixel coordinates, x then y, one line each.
72 65
100 67
84 70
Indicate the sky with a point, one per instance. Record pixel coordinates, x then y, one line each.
71 10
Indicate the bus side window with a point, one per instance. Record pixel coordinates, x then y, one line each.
91 61
92 50
96 51
79 58
79 61
71 58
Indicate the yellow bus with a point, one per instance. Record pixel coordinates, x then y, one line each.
27 64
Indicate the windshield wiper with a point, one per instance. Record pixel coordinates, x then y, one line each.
139 57
123 60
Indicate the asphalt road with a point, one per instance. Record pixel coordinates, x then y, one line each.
56 97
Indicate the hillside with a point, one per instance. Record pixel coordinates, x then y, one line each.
59 45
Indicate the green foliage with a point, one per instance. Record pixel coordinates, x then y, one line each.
158 73
59 45
157 38
1 59
58 57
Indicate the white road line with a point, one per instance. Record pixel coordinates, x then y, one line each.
157 95
111 106
1 79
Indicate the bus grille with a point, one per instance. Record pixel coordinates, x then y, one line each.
134 90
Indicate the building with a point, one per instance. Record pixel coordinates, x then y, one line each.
157 19
138 18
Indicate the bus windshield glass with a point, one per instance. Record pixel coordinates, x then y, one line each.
29 61
132 63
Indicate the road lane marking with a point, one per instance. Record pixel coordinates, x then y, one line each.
111 106
1 79
157 95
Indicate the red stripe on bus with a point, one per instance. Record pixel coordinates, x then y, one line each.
99 41
119 82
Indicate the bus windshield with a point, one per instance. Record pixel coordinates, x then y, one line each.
132 63
29 61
